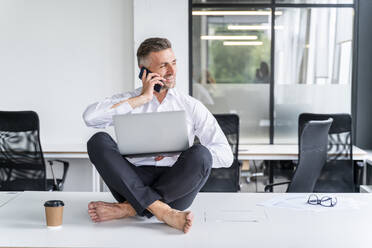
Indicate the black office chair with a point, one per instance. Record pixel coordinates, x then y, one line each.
22 165
312 156
338 173
226 179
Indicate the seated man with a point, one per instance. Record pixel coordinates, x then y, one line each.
160 186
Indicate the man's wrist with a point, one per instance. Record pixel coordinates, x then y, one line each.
138 101
144 98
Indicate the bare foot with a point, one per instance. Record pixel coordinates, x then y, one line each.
103 211
178 219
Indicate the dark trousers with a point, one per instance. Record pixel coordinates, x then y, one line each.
141 186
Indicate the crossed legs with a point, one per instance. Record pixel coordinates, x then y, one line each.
148 190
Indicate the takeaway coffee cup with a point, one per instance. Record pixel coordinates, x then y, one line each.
54 213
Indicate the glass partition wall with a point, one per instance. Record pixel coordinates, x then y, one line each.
231 66
270 61
313 64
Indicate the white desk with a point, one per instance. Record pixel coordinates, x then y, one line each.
282 152
67 151
246 152
23 224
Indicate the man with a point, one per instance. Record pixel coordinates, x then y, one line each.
160 186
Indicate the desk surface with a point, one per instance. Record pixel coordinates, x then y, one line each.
246 152
221 220
68 151
282 152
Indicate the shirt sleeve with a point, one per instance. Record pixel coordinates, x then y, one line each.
212 137
99 114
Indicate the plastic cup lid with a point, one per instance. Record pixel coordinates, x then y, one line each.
54 203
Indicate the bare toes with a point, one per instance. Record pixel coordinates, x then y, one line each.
92 211
95 204
188 223
189 216
92 205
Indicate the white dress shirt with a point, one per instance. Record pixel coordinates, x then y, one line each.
200 123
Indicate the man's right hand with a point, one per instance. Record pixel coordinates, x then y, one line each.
149 80
147 93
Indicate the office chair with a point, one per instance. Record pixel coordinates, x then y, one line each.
22 165
312 156
338 173
226 179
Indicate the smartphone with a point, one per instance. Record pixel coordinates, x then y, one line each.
157 87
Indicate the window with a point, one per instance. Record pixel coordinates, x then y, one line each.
310 45
313 55
231 58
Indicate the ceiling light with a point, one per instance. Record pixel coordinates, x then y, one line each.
212 12
242 43
228 37
252 27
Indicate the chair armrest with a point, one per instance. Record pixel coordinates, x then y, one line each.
65 169
270 186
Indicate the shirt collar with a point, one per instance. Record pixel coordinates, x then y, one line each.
172 92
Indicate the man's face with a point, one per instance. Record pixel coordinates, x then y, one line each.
164 63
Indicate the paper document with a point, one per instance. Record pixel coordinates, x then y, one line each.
299 202
6 197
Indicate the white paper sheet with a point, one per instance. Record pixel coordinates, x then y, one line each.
299 202
6 197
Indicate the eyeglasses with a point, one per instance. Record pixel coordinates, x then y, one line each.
325 201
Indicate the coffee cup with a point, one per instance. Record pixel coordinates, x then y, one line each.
54 213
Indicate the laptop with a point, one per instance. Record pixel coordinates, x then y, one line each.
151 134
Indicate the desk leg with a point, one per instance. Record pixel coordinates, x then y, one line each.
368 173
359 169
97 180
271 174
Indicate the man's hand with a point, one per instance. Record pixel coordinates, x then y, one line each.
149 80
147 93
158 158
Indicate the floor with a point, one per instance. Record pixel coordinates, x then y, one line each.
254 178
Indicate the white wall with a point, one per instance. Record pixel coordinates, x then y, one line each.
168 19
57 56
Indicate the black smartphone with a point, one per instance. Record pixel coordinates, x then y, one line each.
157 87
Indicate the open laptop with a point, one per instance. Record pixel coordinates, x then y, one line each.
151 134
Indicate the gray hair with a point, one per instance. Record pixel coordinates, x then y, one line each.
151 45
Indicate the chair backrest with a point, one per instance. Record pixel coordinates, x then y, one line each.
313 141
229 124
338 173
226 179
22 165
